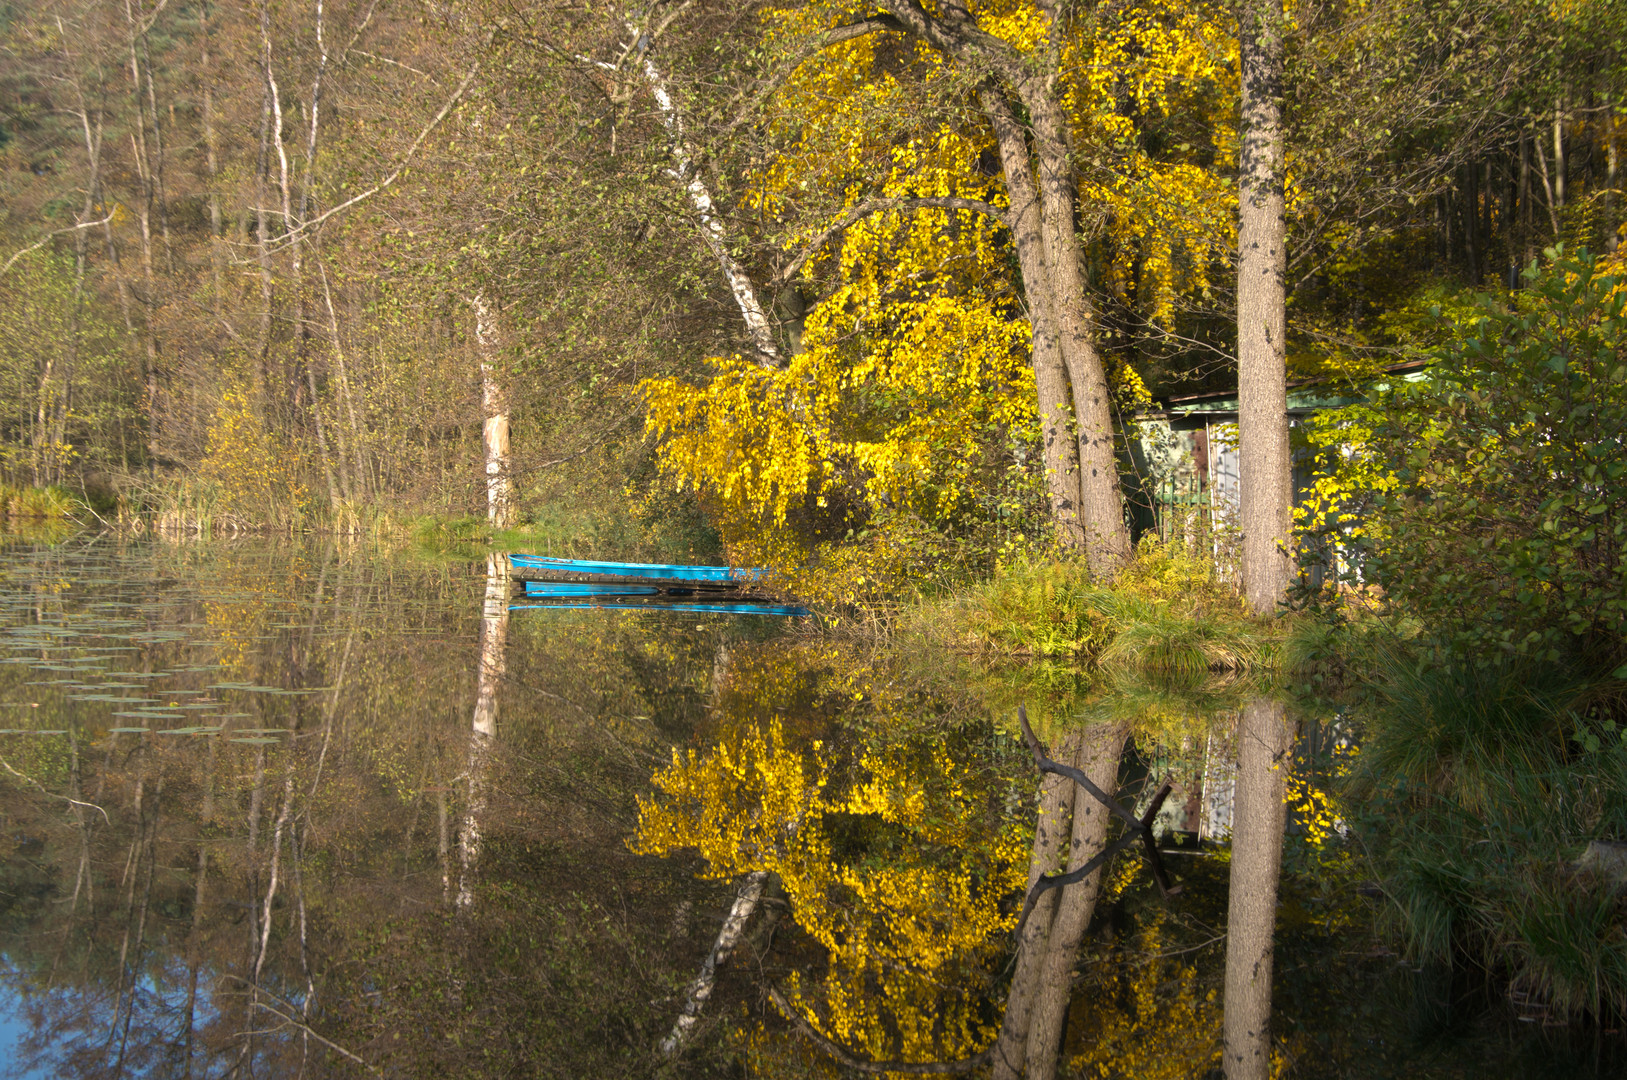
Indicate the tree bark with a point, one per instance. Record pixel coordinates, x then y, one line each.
1263 741
1033 77
1265 485
1101 499
1099 760
686 172
495 418
1060 453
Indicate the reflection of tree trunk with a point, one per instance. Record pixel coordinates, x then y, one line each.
1099 760
193 958
483 729
1056 799
1262 773
1072 830
700 991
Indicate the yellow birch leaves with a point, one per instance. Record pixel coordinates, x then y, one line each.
912 373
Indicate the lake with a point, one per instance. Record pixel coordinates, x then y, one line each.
310 809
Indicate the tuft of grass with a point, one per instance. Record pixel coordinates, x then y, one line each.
1167 612
1482 784
38 502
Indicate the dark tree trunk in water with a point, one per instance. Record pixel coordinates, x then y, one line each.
1263 742
1266 492
1099 760
1072 829
1051 832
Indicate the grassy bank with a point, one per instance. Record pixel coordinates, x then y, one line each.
1170 612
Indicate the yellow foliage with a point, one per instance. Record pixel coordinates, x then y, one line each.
894 868
1148 1018
258 476
912 365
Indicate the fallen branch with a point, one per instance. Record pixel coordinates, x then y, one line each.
852 1061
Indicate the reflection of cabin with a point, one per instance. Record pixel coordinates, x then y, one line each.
1186 456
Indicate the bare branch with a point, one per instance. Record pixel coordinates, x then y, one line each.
293 234
52 794
46 239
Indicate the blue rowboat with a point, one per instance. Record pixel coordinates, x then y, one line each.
699 609
722 575
577 588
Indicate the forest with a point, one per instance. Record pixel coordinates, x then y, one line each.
901 302
782 273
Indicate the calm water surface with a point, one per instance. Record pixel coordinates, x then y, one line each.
278 810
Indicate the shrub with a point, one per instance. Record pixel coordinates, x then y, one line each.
1490 500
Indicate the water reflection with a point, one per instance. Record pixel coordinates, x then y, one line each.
1263 741
483 725
259 822
315 811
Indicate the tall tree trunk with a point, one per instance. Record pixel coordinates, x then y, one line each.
1060 453
1263 741
302 379
1099 756
1612 173
262 242
1471 221
483 724
143 213
361 485
494 437
1101 498
1560 162
211 162
1265 488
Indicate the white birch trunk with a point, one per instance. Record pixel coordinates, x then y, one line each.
483 728
700 991
494 436
711 226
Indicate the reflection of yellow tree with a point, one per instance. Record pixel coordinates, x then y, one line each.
1147 1019
908 912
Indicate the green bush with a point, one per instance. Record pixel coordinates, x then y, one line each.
1490 500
